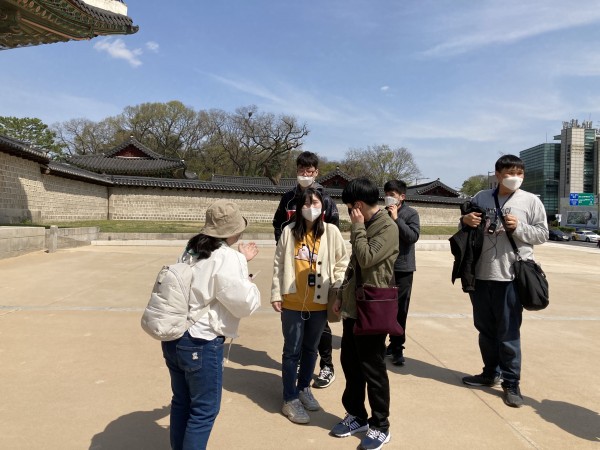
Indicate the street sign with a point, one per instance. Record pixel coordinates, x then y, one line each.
581 199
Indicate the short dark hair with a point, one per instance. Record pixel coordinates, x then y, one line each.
508 162
361 189
397 186
299 230
307 159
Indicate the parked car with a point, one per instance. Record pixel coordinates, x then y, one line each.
585 235
558 235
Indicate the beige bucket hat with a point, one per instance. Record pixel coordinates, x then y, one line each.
223 220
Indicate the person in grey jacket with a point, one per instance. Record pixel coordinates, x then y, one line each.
409 229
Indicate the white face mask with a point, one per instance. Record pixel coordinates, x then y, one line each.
305 181
512 183
311 214
390 201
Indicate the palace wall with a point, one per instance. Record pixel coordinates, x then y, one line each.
28 195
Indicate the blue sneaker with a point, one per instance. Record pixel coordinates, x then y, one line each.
375 439
349 426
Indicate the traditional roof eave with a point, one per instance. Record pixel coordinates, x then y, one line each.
170 183
34 22
22 150
75 173
424 187
334 173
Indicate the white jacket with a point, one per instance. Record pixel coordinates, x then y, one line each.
222 281
332 261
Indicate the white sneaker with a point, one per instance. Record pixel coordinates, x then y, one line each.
308 399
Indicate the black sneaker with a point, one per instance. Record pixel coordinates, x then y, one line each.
325 378
398 359
481 380
389 351
375 439
512 395
348 426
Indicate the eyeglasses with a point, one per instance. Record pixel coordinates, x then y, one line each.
306 171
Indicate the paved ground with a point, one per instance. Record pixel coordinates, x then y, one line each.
77 371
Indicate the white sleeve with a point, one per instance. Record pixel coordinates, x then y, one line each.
233 289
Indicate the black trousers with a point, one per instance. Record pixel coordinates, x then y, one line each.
325 348
404 281
363 362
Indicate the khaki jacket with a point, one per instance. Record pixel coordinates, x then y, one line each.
374 248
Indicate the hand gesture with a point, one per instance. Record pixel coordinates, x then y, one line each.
356 216
472 219
249 250
510 222
393 209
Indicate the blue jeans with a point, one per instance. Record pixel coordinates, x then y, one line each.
196 369
301 334
497 315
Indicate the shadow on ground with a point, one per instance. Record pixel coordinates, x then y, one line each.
135 430
576 420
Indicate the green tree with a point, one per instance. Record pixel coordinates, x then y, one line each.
33 131
474 184
381 163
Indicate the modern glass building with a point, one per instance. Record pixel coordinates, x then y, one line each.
555 170
542 172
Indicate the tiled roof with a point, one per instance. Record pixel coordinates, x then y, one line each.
419 189
121 166
334 173
170 183
141 147
22 149
69 171
151 164
253 181
35 22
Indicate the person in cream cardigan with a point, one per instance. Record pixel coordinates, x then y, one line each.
310 258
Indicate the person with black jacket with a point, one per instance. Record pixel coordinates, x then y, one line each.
307 170
409 229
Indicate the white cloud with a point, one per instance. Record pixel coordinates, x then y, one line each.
152 46
117 49
507 22
384 88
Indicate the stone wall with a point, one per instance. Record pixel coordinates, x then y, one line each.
28 195
179 205
15 241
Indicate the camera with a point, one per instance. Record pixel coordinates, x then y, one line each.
312 279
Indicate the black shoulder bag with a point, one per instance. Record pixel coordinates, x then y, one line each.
530 279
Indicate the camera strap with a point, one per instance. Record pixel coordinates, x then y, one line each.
499 213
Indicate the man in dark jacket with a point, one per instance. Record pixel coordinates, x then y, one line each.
307 170
409 229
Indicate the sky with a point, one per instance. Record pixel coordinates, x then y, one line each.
457 82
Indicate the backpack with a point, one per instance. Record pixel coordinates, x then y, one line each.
168 314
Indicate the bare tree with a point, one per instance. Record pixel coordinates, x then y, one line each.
381 163
85 137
